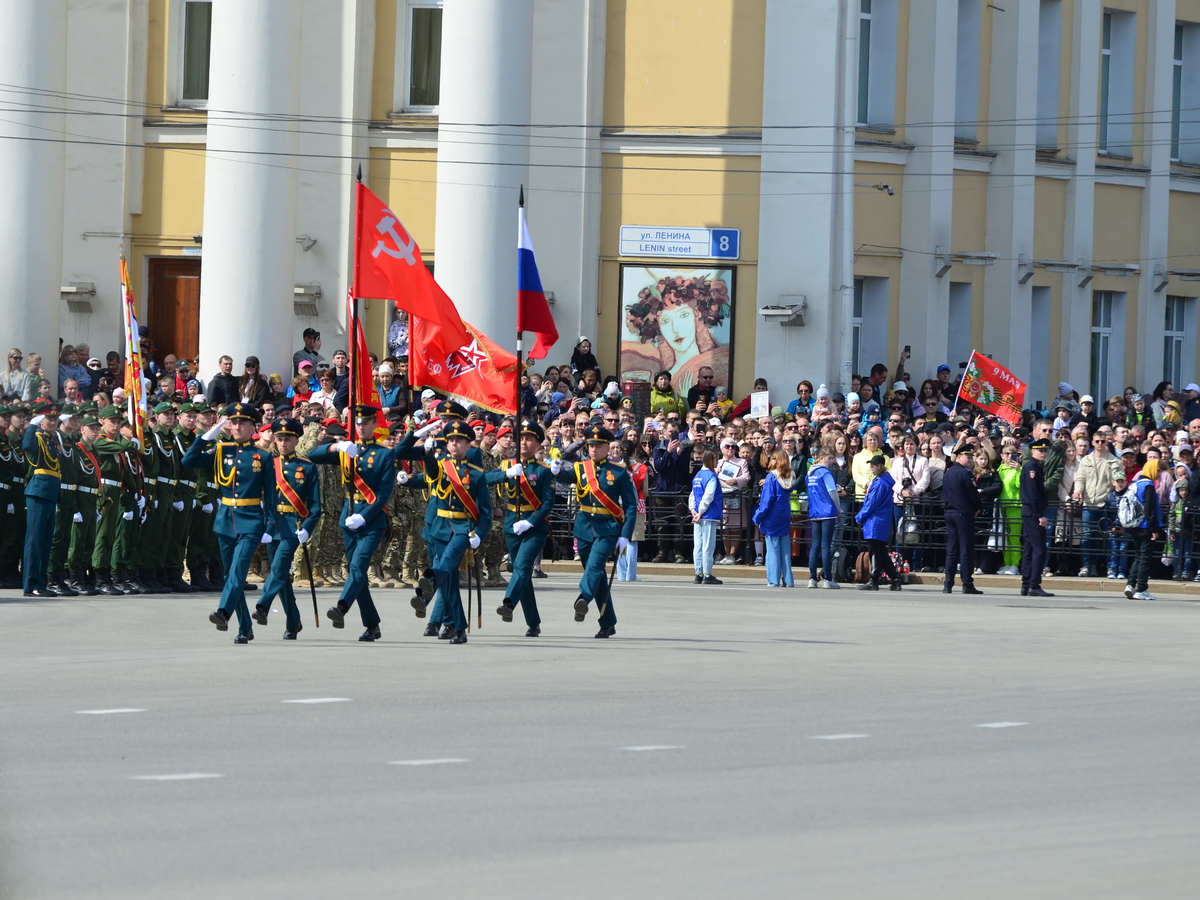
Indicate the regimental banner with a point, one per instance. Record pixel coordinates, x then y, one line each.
993 388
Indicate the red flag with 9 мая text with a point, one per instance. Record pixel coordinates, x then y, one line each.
993 388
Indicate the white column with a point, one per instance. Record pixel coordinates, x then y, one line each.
1156 196
483 157
1082 135
33 72
804 219
925 221
248 277
1008 312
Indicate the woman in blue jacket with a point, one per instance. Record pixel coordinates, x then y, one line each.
875 517
774 519
823 511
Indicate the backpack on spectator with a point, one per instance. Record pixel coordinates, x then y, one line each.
1130 511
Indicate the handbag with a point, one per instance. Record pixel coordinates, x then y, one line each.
908 529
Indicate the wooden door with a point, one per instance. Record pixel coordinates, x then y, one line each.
174 306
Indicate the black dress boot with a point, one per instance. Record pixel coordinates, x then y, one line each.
176 583
105 585
79 583
216 574
62 587
337 614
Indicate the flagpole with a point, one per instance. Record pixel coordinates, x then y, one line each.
520 334
353 342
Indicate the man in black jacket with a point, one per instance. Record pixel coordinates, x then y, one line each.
1033 519
962 506
672 463
223 387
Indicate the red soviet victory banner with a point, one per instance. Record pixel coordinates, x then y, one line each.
388 266
993 388
463 362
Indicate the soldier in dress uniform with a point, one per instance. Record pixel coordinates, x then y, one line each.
462 517
607 513
527 492
204 550
134 503
162 476
60 544
292 515
328 542
10 526
244 477
368 478
41 448
186 492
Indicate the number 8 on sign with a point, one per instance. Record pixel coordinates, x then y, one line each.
725 243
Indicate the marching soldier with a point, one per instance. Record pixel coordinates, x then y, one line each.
368 479
292 513
607 503
527 491
60 544
41 448
87 514
244 477
462 517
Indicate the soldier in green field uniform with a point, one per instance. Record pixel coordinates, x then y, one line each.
8 520
87 514
16 432
109 449
162 522
185 492
56 566
134 504
204 551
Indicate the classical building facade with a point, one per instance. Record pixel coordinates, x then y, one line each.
828 180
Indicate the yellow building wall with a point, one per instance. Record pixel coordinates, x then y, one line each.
1117 227
1049 217
877 215
383 71
172 208
1184 221
681 191
970 213
693 65
156 56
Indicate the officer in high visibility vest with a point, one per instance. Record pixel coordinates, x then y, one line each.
245 478
607 513
527 491
462 517
40 445
292 513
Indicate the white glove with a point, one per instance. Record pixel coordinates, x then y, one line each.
475 541
355 522
301 535
35 420
401 477
193 503
555 466
11 509
127 515
622 545
521 526
347 447
211 434
99 515
136 443
77 518
156 504
141 502
266 538
428 429
64 417
206 508
514 471
177 506
429 444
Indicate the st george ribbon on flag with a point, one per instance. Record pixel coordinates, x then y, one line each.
533 311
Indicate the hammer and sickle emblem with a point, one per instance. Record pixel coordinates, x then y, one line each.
404 248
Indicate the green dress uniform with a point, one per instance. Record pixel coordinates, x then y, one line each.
20 477
528 498
60 544
185 492
368 479
245 480
166 520
111 453
462 517
295 507
134 503
86 516
12 507
41 501
607 508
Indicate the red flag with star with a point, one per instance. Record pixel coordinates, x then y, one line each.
463 362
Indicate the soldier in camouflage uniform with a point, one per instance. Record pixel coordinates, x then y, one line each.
328 545
412 500
493 544
300 571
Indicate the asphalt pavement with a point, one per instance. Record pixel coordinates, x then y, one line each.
733 741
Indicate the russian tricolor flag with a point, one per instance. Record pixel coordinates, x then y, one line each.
533 312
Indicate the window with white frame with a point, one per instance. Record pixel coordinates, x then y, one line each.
1117 52
966 93
1108 355
856 322
420 55
869 323
1178 351
877 29
1185 95
195 44
1049 67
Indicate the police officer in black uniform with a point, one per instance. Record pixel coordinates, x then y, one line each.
1033 520
962 506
